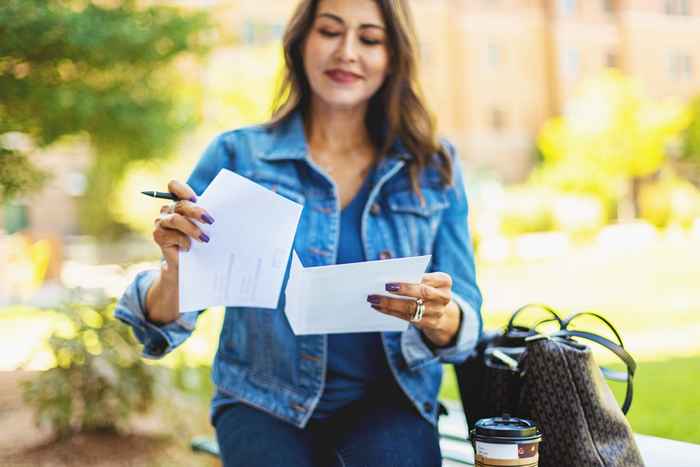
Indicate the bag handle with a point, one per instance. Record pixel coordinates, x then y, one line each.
618 350
555 316
567 322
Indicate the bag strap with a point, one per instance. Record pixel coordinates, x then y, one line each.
567 322
555 316
617 350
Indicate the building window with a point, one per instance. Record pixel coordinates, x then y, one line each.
567 7
425 52
571 62
680 66
677 7
75 183
609 6
498 120
257 33
16 217
612 60
494 55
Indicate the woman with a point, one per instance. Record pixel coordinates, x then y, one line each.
351 140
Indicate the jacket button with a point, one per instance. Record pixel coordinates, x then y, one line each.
428 407
375 209
385 255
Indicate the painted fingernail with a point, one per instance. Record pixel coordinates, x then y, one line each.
208 219
204 237
374 299
193 199
392 287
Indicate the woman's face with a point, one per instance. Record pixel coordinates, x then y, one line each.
346 56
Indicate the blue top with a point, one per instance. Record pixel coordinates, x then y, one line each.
356 360
260 361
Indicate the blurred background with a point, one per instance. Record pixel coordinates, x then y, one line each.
578 124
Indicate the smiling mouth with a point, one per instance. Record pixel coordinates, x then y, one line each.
342 77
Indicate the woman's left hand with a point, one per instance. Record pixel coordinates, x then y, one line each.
441 315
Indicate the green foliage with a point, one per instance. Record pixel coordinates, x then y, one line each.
611 134
193 380
527 211
688 164
99 379
669 200
533 208
106 72
655 204
17 174
691 147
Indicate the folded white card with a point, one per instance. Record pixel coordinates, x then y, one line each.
333 299
244 262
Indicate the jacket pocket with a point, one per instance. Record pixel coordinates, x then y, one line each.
236 344
282 187
413 223
409 202
276 362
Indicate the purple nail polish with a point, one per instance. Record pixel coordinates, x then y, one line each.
375 299
392 287
204 237
208 219
193 199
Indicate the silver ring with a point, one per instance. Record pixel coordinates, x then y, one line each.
420 308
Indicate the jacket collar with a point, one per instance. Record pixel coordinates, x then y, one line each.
288 142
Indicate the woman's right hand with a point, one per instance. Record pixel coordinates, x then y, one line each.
175 228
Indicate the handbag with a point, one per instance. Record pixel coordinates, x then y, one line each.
553 380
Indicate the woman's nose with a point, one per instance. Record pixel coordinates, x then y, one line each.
348 48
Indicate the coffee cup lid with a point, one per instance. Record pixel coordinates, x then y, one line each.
506 427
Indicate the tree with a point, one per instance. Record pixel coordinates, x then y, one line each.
99 69
689 163
610 137
692 134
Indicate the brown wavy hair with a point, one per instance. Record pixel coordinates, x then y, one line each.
396 111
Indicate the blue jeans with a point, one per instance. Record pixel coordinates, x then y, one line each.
384 430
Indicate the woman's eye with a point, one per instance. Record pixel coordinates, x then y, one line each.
368 41
327 33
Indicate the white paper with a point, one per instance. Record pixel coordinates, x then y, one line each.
244 262
497 451
333 299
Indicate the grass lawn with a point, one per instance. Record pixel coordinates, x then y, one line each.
665 404
649 292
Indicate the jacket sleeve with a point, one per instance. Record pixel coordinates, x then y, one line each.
453 254
159 340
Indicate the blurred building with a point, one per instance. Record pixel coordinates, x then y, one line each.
52 214
493 70
496 69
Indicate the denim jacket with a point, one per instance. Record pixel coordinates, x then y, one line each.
259 360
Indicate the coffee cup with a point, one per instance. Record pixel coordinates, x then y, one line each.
506 442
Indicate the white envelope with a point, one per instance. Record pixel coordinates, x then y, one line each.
244 262
333 299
